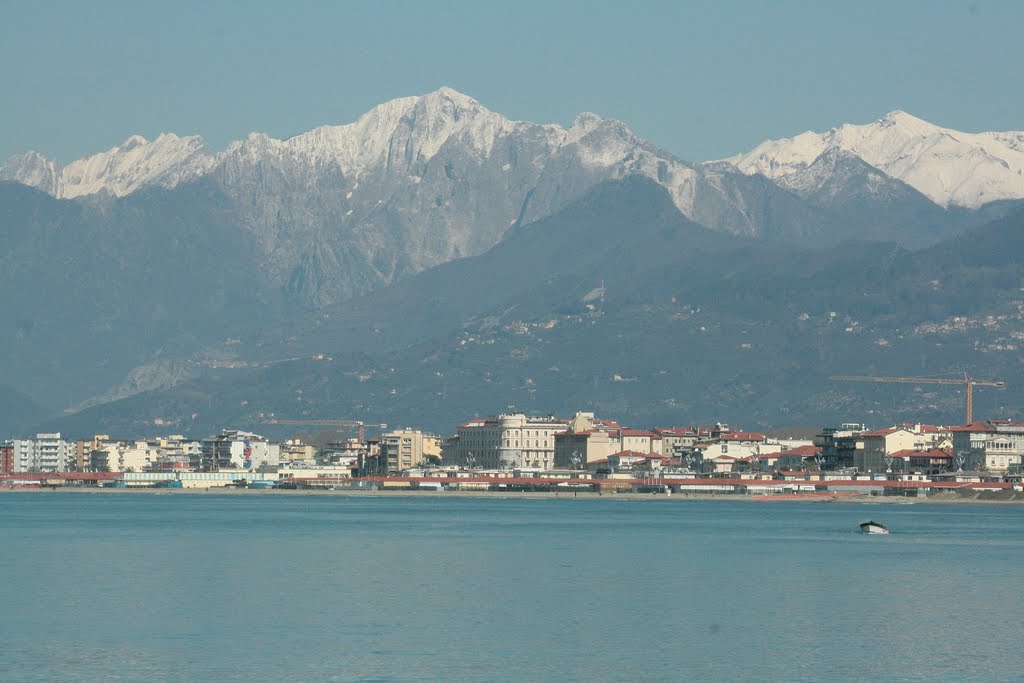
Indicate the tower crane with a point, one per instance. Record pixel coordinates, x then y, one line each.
326 423
967 381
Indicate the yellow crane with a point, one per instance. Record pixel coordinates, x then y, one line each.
967 381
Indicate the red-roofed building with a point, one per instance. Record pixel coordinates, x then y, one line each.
630 462
588 439
880 443
674 440
931 461
585 440
640 440
792 459
996 446
744 438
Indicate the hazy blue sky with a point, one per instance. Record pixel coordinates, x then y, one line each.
702 80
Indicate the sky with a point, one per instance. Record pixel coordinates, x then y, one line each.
702 80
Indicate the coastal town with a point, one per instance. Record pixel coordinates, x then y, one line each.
519 452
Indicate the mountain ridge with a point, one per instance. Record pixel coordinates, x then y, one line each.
949 167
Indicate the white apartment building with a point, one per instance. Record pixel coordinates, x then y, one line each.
507 441
44 453
125 456
234 449
996 445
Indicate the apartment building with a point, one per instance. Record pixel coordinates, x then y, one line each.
588 439
880 444
995 445
506 441
235 449
675 440
403 449
296 450
125 456
839 445
44 453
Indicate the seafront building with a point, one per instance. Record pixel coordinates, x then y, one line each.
588 439
734 445
880 444
44 453
995 445
403 449
124 456
676 440
236 449
839 445
505 441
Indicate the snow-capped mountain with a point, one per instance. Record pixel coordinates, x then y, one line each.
396 135
419 181
412 183
137 163
947 166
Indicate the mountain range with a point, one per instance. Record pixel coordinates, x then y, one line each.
158 270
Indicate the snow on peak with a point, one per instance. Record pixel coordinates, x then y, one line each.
948 166
586 121
32 169
451 95
403 130
166 161
132 142
395 137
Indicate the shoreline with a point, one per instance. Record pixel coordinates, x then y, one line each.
973 498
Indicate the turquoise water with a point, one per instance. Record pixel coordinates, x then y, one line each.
276 587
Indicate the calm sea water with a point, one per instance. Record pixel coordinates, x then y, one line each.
272 587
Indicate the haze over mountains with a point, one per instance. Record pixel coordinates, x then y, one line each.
161 270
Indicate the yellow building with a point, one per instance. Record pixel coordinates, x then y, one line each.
403 449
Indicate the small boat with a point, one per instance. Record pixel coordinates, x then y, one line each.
872 527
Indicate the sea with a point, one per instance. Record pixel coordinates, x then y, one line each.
269 587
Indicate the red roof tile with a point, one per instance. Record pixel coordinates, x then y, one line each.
674 431
803 450
639 432
974 427
742 436
911 453
882 432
